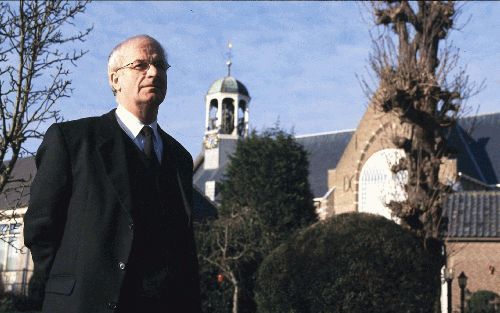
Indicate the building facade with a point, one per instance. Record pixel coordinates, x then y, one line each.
349 171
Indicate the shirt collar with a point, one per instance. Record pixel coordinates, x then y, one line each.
132 124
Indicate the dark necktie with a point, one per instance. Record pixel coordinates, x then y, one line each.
149 150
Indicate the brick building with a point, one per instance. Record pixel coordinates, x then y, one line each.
350 172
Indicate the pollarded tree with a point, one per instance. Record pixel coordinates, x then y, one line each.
265 198
421 84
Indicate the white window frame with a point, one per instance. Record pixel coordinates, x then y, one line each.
378 185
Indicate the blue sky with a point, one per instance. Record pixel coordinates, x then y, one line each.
299 60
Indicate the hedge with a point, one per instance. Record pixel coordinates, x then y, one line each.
348 263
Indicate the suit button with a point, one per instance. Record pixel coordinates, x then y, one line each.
121 265
131 226
112 305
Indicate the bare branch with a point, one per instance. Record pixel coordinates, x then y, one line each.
420 82
35 54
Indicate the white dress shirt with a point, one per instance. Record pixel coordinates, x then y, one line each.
132 126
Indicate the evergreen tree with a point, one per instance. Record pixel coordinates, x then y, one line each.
268 173
265 198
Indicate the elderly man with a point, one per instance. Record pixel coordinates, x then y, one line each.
109 220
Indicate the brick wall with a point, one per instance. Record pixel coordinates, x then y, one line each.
374 133
480 261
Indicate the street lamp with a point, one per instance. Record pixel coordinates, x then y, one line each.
448 277
462 282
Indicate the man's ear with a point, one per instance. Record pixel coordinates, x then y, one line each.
114 81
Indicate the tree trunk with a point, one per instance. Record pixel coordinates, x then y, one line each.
235 298
418 86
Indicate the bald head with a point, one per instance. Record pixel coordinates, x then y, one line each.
116 57
137 73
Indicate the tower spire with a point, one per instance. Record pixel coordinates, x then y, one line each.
229 56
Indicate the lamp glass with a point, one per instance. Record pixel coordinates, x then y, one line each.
462 280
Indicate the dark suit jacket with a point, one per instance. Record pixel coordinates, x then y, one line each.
79 225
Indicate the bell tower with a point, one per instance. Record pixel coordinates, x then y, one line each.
226 115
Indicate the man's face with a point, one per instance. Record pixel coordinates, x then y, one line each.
141 91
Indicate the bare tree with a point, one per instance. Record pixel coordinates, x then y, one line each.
35 51
33 71
233 242
422 84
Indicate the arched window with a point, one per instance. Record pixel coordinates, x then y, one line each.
378 185
242 107
212 114
227 126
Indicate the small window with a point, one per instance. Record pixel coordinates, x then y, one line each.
13 254
242 106
3 254
10 243
212 115
15 228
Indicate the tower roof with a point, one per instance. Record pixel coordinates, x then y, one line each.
228 84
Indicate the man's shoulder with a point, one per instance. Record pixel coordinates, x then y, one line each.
81 122
78 123
82 125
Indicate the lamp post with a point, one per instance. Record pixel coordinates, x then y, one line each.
448 277
462 282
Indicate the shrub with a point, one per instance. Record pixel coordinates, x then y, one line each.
348 263
481 302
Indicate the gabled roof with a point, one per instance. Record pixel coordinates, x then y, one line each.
16 193
324 152
474 214
476 138
479 147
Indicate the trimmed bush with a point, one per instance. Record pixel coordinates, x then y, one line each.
481 302
353 263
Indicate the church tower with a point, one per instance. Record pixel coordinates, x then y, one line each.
226 116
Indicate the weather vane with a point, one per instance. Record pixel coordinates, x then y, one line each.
229 56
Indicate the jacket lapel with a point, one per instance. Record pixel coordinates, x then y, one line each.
112 151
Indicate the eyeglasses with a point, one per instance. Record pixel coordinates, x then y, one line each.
143 65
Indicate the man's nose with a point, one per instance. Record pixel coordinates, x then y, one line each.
153 70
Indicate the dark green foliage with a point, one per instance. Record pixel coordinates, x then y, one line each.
269 173
265 198
354 263
215 296
481 302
